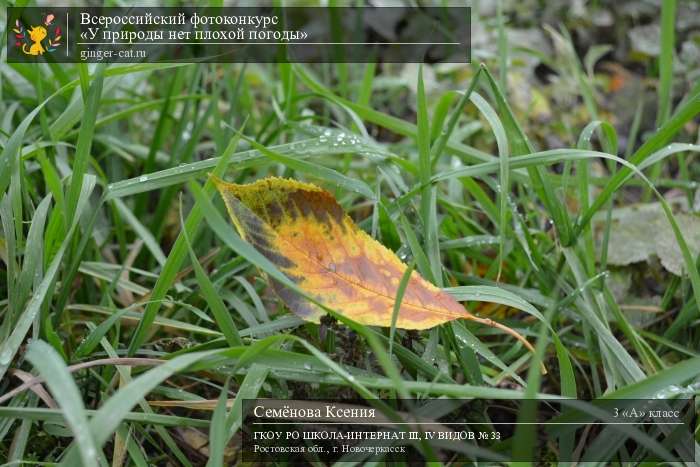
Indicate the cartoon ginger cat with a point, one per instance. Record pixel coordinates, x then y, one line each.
36 34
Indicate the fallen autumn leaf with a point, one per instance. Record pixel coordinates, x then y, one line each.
303 230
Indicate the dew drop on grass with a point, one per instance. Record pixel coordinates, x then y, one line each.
90 452
5 357
307 366
143 178
670 392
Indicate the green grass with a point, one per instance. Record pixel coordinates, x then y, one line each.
115 247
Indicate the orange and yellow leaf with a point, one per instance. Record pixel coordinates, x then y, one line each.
303 230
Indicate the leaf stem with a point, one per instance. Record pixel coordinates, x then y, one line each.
495 324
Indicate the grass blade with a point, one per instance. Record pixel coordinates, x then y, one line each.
65 391
9 347
177 255
218 309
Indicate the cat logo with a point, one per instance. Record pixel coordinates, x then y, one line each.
31 41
